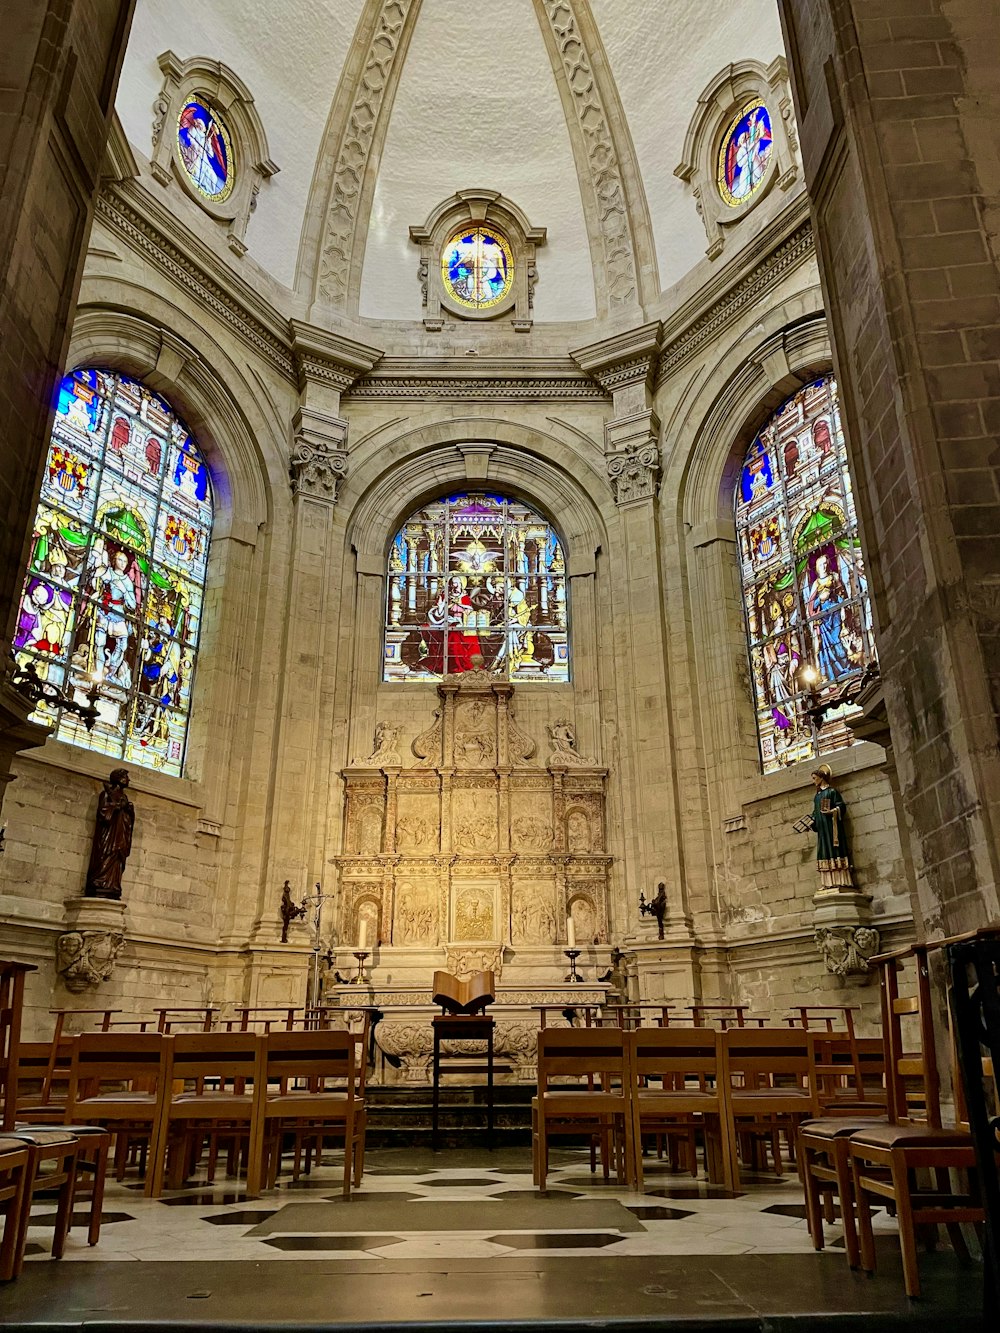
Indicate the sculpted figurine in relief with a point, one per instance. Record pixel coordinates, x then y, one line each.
414 917
578 832
562 738
533 919
531 834
474 916
415 833
385 751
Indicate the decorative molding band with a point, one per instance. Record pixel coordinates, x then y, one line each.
598 161
796 249
359 141
123 217
498 381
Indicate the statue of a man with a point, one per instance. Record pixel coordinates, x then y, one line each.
828 820
112 838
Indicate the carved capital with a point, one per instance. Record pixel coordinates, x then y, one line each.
847 950
86 958
635 474
319 455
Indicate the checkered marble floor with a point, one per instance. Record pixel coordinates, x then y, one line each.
676 1215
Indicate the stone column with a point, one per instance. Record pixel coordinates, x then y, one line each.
59 67
302 774
625 365
899 114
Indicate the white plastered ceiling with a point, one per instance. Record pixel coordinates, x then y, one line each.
477 106
663 54
289 53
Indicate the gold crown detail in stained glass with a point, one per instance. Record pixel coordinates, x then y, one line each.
477 267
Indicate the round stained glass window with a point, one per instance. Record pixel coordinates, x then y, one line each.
477 267
745 154
205 151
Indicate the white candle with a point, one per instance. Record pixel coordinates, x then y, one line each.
362 934
570 932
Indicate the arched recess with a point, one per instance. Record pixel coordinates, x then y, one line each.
398 475
722 427
210 396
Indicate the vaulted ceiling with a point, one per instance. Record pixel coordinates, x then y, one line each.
504 96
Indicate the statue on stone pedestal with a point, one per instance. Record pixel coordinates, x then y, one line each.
112 838
828 821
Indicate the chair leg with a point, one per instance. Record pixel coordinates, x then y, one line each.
64 1208
907 1235
866 1236
97 1195
11 1256
845 1192
810 1186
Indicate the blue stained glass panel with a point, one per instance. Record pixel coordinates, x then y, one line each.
205 150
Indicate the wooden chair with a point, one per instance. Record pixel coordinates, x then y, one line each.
886 1157
118 1080
767 1085
43 1074
599 1104
218 1066
686 1064
12 976
14 1202
323 1105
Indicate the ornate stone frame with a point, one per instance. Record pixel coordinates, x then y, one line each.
732 88
477 206
224 90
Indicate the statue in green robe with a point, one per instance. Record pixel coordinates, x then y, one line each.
828 820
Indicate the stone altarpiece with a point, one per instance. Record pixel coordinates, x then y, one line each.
472 856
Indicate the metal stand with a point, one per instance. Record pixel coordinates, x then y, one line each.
316 901
573 955
361 978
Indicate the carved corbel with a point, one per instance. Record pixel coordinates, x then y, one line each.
86 958
847 950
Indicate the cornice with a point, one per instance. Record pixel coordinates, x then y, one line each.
623 359
129 210
547 379
743 281
330 357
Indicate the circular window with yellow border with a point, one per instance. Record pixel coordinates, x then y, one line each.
206 151
745 153
477 267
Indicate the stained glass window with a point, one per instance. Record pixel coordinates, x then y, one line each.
805 591
116 579
745 153
205 150
477 267
476 575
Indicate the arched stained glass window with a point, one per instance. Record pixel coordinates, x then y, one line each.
476 574
805 592
116 579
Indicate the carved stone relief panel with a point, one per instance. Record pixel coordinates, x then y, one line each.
532 917
475 733
579 837
474 819
474 907
583 910
531 819
416 912
418 823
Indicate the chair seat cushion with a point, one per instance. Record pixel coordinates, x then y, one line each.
837 1127
910 1136
118 1099
43 1138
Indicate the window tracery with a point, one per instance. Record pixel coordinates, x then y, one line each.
475 574
804 586
115 583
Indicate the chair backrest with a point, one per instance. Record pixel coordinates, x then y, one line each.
913 1082
762 1057
43 1071
581 1053
319 1056
675 1055
848 1068
228 1056
12 976
134 1061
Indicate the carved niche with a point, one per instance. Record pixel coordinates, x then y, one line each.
478 844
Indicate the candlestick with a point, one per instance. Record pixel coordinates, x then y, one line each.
360 978
573 955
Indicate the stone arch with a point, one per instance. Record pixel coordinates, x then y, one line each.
425 460
209 394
